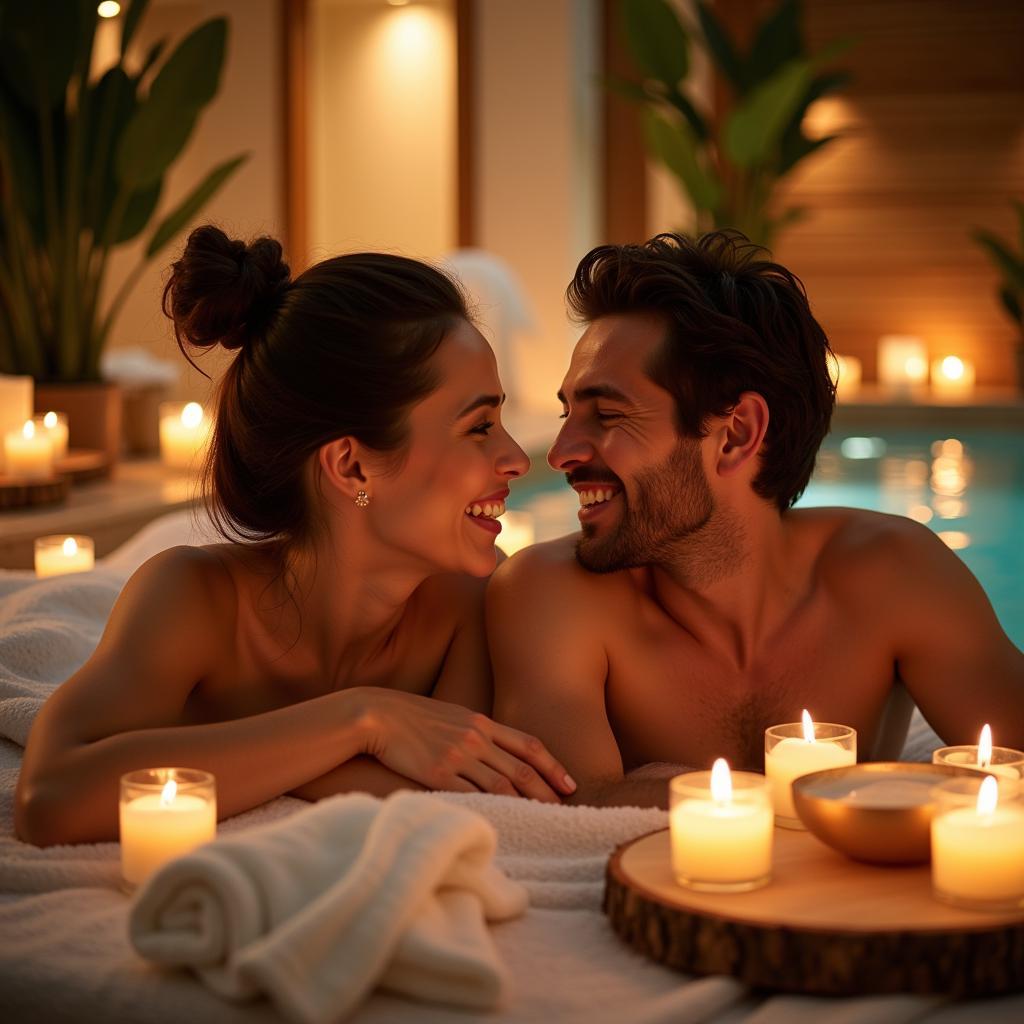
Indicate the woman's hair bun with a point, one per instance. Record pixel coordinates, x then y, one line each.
223 291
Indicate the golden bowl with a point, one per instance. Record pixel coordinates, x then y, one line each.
879 812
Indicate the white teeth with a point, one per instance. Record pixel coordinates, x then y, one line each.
588 498
489 510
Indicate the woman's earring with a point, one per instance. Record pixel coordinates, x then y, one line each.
362 499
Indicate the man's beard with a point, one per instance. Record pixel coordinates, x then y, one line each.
672 502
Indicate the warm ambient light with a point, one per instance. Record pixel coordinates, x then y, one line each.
721 781
953 377
192 415
109 9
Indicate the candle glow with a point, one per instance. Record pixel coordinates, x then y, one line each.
27 455
60 555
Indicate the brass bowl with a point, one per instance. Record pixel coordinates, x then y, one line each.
879 812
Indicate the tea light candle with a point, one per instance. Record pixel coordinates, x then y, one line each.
799 748
184 431
56 556
846 371
27 454
54 425
977 836
1002 761
721 830
902 361
953 377
16 394
165 813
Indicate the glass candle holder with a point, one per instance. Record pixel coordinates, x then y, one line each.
184 432
788 754
721 845
164 813
1005 763
977 838
63 553
54 425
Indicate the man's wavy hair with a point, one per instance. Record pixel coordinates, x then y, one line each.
736 322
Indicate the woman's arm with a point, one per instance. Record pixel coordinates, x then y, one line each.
123 710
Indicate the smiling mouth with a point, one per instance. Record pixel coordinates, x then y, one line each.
592 496
486 510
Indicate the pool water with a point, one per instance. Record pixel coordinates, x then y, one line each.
969 489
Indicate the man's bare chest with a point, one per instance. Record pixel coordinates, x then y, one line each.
670 699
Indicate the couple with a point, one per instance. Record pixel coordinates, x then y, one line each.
343 637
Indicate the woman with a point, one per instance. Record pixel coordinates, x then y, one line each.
335 641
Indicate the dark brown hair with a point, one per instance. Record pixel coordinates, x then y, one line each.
736 322
344 350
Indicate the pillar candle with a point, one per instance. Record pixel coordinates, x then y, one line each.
28 455
60 555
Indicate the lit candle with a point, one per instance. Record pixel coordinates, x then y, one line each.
54 425
15 406
953 377
184 431
28 455
56 556
846 371
977 837
984 757
902 362
721 829
165 812
799 748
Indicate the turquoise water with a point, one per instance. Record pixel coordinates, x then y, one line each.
969 489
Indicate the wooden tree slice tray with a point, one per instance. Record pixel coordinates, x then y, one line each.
17 492
83 464
825 925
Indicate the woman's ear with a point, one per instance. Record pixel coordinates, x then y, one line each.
341 469
743 433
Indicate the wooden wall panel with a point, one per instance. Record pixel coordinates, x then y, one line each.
934 146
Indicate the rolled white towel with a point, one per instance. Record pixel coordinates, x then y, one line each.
317 910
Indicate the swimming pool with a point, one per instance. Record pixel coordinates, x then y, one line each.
969 489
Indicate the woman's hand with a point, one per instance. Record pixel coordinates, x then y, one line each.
448 747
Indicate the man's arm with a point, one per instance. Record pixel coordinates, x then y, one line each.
951 653
550 669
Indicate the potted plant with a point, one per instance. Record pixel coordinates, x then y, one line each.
1010 290
728 164
82 169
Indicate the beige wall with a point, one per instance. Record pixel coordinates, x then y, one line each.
382 128
246 116
537 163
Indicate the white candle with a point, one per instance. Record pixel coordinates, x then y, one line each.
157 826
846 371
28 455
1002 761
184 431
721 829
978 851
902 361
15 406
59 555
54 425
953 377
799 748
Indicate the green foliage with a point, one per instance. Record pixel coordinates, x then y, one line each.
728 167
1010 264
82 169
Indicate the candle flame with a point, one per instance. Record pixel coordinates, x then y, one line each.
808 726
192 415
50 420
29 430
721 781
988 795
952 368
69 547
170 791
985 746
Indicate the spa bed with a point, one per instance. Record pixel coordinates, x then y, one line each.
64 949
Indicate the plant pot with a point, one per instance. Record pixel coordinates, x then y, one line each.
94 415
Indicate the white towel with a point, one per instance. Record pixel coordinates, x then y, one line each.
317 910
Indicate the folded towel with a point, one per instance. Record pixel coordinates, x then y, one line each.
318 909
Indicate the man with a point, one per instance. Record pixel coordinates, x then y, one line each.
695 607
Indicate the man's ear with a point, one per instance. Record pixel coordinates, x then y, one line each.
341 469
742 433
